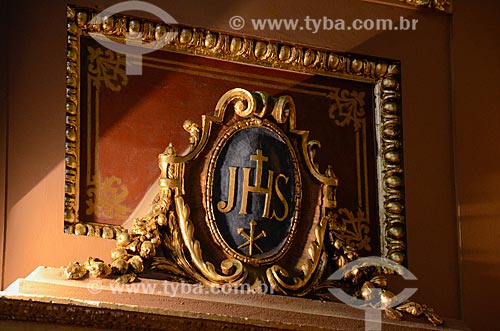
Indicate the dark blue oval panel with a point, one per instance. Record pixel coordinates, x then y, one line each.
253 192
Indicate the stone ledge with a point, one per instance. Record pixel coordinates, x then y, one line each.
46 296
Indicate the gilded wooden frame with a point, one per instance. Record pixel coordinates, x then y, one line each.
382 74
438 5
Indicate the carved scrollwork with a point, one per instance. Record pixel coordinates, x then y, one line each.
301 286
233 271
138 249
106 198
390 159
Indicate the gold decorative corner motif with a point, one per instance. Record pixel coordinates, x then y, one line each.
347 107
354 229
106 67
106 199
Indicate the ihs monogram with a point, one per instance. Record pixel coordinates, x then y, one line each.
273 186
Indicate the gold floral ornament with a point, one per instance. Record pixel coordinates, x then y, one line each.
106 67
165 238
107 199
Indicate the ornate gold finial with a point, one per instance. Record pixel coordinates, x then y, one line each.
329 171
170 150
170 171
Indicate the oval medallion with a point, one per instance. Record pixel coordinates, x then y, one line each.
254 192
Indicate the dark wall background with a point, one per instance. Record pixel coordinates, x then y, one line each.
477 155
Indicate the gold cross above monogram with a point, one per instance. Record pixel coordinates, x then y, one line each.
251 238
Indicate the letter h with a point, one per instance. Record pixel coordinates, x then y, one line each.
259 158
